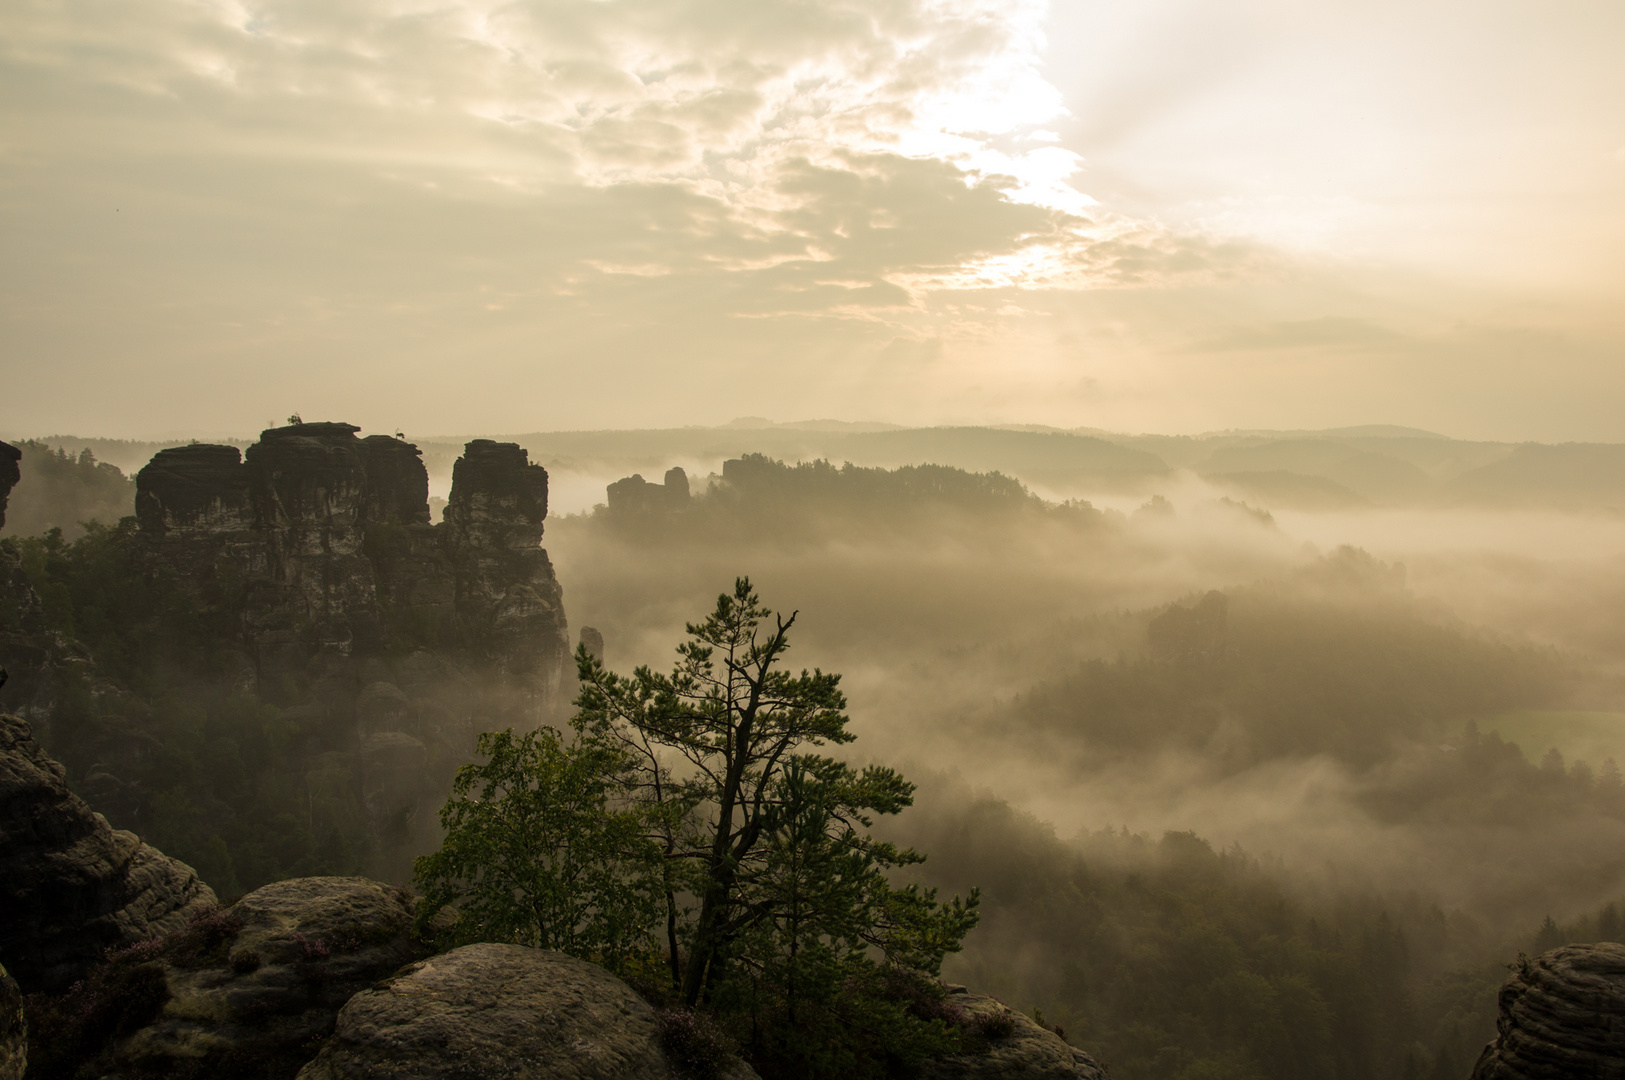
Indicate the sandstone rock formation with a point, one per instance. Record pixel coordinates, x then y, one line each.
635 496
498 1010
320 544
13 1029
71 886
507 594
247 992
314 555
1562 1015
593 639
1018 1048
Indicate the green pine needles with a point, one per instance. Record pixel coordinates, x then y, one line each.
536 854
689 836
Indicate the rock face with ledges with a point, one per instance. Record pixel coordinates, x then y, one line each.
249 992
70 885
633 496
311 557
507 593
271 994
498 1011
319 545
1021 1051
1562 1018
199 490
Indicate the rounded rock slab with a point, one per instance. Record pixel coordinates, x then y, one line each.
500 1011
1028 1052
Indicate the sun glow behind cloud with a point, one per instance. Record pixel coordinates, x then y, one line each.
720 100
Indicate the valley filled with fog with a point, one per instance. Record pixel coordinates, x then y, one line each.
1215 745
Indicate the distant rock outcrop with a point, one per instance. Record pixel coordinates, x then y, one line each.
320 544
593 639
10 473
1018 1048
72 887
499 1010
1562 1015
393 639
507 593
635 496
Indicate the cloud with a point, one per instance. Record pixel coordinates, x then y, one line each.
730 104
630 211
1325 332
250 194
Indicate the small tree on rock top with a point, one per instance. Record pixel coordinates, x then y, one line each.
768 840
694 798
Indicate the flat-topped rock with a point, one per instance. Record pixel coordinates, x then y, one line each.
197 487
495 487
314 539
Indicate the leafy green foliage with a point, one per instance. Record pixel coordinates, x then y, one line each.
694 1044
766 836
691 795
140 628
231 785
1170 959
535 854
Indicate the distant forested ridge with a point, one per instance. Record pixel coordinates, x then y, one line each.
1059 650
57 489
1259 673
1329 686
807 502
1371 465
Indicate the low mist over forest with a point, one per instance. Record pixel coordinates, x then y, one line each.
1268 751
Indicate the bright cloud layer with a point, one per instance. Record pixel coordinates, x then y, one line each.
763 120
480 215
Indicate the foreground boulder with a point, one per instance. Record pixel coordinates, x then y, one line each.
499 1010
13 1030
1562 1015
245 992
71 886
1017 1048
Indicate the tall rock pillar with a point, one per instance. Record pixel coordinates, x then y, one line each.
508 597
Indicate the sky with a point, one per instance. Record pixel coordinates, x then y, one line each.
461 216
